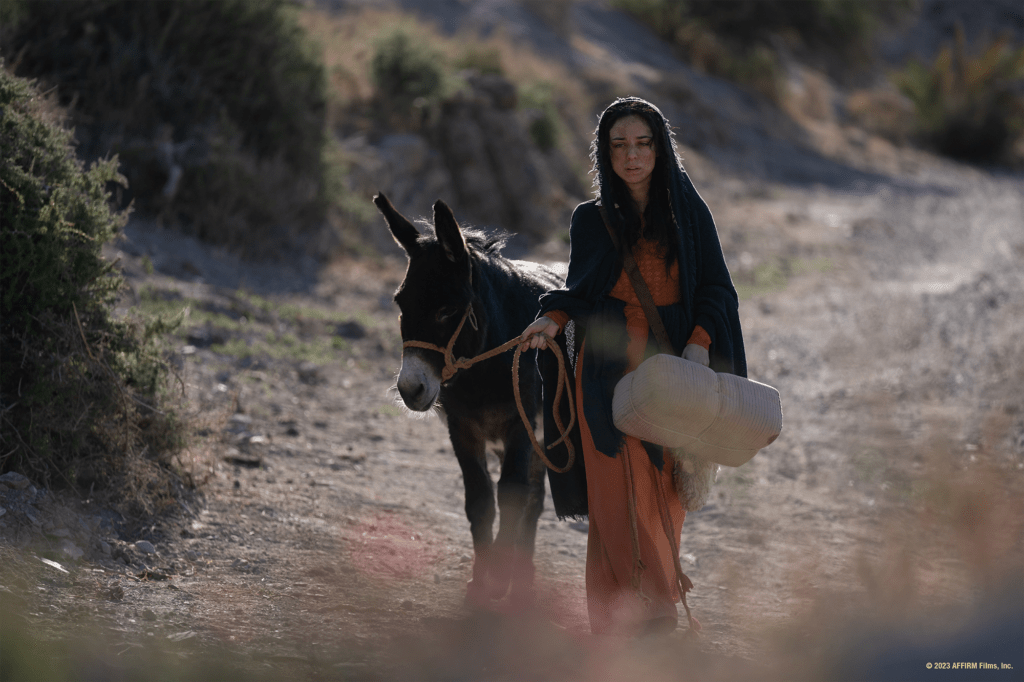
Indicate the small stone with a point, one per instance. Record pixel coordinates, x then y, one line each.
12 479
70 549
148 615
407 604
2 511
309 373
437 579
105 548
145 547
465 559
351 330
61 532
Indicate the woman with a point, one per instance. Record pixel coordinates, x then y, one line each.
633 577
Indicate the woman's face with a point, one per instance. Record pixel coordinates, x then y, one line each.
632 152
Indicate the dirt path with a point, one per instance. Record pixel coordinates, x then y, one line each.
331 541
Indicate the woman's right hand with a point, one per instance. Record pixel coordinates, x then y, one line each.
532 334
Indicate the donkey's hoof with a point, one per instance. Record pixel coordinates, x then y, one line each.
522 598
480 593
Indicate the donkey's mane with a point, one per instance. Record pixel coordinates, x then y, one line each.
489 242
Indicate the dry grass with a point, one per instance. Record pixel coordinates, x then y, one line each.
346 41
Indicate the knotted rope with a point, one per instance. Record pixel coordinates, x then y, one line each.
452 365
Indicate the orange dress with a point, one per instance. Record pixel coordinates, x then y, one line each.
614 605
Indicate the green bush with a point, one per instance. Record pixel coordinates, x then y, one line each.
79 390
969 107
407 73
199 98
481 59
538 100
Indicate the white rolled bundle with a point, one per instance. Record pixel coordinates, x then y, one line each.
677 403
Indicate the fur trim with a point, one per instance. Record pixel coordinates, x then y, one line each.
694 477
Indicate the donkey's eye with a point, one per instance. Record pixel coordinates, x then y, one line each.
446 312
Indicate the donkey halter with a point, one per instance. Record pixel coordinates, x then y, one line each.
452 366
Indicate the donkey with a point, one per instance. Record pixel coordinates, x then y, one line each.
458 280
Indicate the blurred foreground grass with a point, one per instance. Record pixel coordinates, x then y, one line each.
935 577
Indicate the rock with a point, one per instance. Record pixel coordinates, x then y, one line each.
13 479
61 532
148 615
309 373
2 511
871 228
70 550
105 548
350 330
500 90
145 547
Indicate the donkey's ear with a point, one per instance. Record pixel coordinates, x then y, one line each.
448 233
404 232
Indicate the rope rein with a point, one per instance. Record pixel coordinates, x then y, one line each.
453 365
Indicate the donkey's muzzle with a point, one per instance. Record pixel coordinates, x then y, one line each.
418 383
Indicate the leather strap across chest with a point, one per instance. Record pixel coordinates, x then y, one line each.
640 287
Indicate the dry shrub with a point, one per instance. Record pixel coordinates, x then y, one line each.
348 44
883 112
937 575
738 40
208 104
969 107
83 396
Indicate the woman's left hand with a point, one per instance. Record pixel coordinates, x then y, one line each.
534 335
696 353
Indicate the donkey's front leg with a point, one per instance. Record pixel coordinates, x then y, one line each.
469 450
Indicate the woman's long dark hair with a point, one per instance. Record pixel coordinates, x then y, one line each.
659 221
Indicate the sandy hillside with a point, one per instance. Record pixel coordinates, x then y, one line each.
881 294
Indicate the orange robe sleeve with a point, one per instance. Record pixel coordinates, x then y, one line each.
700 337
559 317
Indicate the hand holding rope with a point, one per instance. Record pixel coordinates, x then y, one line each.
453 365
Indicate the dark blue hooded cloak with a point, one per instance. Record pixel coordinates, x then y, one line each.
707 298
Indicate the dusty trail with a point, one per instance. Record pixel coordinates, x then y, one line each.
331 543
345 551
